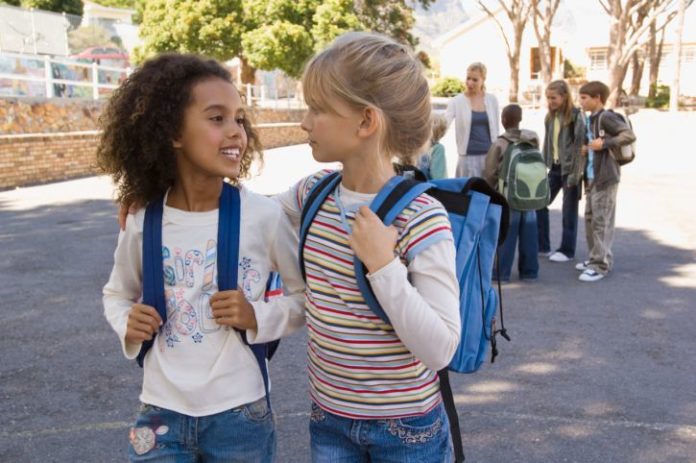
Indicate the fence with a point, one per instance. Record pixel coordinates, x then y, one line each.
44 76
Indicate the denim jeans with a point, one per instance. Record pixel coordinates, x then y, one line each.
245 434
569 212
523 228
416 439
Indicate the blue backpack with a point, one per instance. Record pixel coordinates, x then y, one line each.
479 218
227 266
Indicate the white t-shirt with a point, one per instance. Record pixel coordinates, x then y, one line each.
195 366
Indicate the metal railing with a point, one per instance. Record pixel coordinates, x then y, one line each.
45 76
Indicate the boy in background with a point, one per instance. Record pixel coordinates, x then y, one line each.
523 224
606 131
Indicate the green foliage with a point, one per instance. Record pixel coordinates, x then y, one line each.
661 99
88 36
447 86
11 2
571 70
59 6
207 27
129 4
331 19
280 45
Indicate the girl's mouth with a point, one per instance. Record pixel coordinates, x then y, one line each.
233 154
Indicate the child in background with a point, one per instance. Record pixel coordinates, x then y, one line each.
173 131
522 223
564 134
433 163
374 386
606 132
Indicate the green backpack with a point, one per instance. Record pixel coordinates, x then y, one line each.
523 180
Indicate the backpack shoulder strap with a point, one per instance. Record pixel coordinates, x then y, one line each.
388 204
153 268
315 198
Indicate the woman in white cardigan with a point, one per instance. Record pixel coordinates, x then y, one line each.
476 115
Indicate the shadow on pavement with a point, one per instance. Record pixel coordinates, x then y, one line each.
595 372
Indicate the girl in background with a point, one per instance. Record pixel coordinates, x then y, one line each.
563 139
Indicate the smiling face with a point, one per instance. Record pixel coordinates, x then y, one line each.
474 81
554 100
212 140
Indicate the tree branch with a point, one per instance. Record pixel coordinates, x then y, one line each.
500 27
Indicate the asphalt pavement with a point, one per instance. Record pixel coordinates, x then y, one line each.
596 372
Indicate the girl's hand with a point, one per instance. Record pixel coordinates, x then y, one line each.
143 323
371 240
231 308
125 209
583 150
596 144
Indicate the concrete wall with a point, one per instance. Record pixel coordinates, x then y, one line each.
45 141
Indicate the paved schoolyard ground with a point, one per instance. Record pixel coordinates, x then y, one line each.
602 372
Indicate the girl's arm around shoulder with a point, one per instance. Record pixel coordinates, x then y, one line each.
280 316
124 287
422 299
292 200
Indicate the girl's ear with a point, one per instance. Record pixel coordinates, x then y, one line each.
369 122
176 143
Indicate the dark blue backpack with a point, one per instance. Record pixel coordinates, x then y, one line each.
227 266
479 219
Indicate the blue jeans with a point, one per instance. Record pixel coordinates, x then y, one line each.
569 212
418 439
244 434
523 226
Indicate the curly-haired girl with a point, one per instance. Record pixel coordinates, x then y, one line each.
173 131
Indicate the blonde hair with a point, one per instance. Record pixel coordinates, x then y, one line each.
369 70
481 69
439 128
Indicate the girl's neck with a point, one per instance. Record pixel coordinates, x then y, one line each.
366 177
475 93
195 195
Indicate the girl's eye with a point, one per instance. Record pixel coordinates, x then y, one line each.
217 118
240 120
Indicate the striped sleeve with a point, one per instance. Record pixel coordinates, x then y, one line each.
425 222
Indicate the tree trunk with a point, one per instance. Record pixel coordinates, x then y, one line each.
617 38
248 72
674 91
514 77
638 64
655 59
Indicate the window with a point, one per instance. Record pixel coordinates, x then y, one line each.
535 64
598 60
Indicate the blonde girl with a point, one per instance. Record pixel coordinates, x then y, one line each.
374 386
172 132
476 115
563 139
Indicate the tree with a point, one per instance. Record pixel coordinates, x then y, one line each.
59 6
11 2
630 20
674 91
543 20
208 27
129 4
517 12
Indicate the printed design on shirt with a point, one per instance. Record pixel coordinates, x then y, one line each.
250 276
183 271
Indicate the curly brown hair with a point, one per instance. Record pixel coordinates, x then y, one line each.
145 114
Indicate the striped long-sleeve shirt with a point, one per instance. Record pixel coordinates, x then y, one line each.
359 367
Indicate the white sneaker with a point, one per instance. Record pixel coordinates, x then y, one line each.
559 257
582 266
590 275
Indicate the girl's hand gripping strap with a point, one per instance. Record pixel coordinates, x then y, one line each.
393 198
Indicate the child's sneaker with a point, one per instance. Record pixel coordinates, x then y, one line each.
558 256
582 266
590 275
